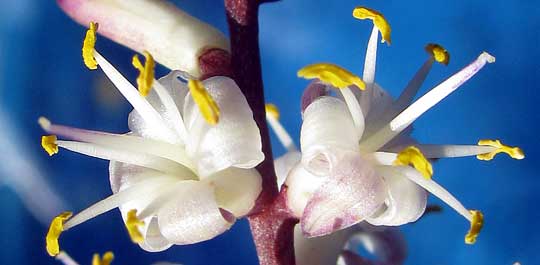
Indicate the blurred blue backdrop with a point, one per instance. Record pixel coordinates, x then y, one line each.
41 73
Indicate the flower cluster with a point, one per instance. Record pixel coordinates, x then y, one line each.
184 172
358 161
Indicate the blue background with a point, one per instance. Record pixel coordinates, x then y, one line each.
41 73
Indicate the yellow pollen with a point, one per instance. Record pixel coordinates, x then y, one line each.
132 225
412 156
146 73
331 74
438 53
106 260
272 110
55 229
208 107
48 142
88 47
476 225
513 152
378 20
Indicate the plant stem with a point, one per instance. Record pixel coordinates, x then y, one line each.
271 224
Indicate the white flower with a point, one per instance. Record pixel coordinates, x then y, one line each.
184 172
358 161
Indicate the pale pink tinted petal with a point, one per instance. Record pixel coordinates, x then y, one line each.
234 142
301 184
327 127
313 91
236 189
352 192
173 37
192 215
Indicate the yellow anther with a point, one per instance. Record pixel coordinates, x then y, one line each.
48 142
272 110
146 73
106 260
412 156
378 20
132 225
476 225
88 47
514 152
208 107
438 53
56 228
332 74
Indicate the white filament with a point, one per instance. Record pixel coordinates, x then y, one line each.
432 187
171 108
139 103
369 69
128 143
419 107
441 151
355 110
136 158
282 134
144 188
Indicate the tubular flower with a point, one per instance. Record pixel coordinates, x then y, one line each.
358 161
175 178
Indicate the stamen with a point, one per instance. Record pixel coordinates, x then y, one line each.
412 156
438 53
513 152
128 143
443 151
140 104
48 142
431 186
378 21
106 260
272 110
356 111
208 107
55 229
172 108
65 259
476 225
331 74
147 188
368 74
88 47
415 110
272 116
146 73
130 157
132 225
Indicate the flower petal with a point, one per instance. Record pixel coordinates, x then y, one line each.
301 184
327 126
172 36
284 164
352 192
154 241
234 142
405 203
192 215
236 189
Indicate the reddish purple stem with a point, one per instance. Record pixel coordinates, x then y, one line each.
271 224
